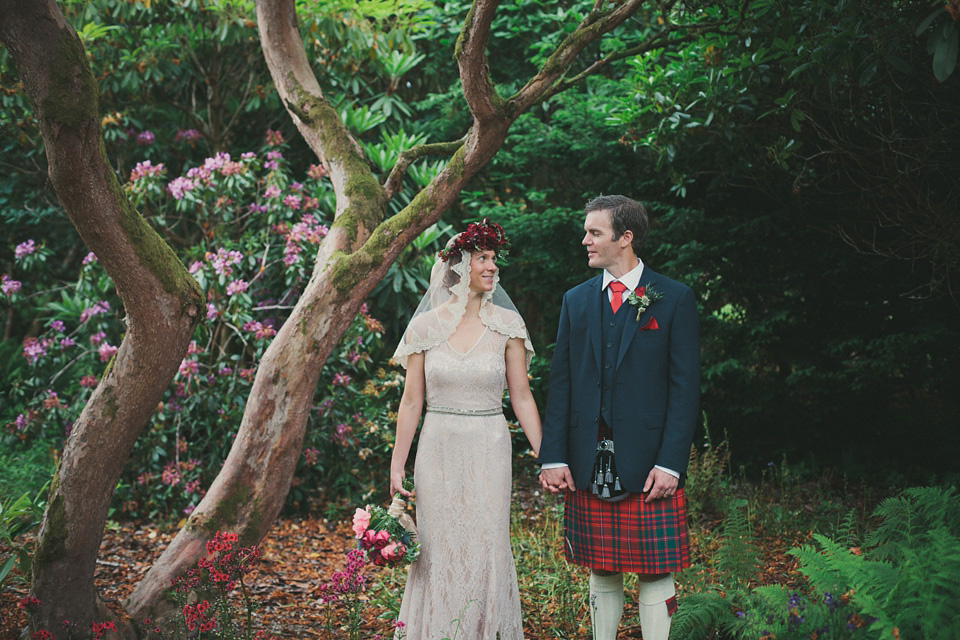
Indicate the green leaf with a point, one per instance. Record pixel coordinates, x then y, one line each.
945 57
925 24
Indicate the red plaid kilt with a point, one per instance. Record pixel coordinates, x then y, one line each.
630 535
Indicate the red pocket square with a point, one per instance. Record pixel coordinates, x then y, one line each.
651 325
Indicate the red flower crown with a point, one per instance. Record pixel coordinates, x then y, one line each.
479 236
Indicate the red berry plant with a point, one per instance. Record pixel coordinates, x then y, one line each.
205 594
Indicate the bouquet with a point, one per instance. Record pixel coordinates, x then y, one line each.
387 536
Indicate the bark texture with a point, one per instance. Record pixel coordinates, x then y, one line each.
161 300
249 492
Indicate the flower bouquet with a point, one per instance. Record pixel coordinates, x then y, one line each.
387 536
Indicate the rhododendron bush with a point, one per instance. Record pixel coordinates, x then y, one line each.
248 229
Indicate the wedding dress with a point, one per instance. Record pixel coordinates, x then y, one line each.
464 584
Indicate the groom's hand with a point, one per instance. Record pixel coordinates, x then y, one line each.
557 480
659 485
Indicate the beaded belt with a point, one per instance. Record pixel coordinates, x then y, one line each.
465 412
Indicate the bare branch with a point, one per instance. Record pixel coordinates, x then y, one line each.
471 54
395 180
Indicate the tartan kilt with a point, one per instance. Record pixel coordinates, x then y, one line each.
629 535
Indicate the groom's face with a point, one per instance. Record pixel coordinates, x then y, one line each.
602 250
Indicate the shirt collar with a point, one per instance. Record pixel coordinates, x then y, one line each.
631 278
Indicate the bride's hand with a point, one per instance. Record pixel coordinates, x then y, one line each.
396 483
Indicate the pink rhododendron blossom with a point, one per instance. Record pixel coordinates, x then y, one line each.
187 134
171 474
217 162
361 521
293 202
106 351
274 138
189 368
193 349
296 186
8 285
97 338
224 260
146 169
200 175
57 325
237 286
99 307
211 311
232 168
341 379
90 257
66 342
271 192
195 266
261 331
273 165
88 381
25 248
34 348
145 138
179 186
316 171
248 155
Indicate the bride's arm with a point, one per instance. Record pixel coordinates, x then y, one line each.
521 398
408 417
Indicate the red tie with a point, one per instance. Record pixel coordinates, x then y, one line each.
616 299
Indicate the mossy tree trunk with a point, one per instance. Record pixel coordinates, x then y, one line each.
161 300
249 492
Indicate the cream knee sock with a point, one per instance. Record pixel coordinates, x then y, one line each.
654 613
606 605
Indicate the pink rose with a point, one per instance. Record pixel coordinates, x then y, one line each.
369 538
382 539
361 520
394 551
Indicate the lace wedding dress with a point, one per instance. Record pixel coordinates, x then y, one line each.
464 584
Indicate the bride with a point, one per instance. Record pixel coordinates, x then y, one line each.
464 344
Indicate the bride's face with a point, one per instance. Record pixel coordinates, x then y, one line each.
483 267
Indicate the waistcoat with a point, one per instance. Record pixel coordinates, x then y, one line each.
613 326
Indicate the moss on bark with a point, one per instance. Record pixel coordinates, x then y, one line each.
73 97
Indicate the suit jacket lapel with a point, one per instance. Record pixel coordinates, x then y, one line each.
594 320
647 279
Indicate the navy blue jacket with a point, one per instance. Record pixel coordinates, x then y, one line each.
656 389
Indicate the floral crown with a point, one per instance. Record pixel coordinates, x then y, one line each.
479 236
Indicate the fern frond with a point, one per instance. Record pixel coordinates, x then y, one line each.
699 615
737 559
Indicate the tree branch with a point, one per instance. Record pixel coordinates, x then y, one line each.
471 55
394 181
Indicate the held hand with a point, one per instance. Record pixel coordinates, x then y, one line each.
659 485
557 480
396 483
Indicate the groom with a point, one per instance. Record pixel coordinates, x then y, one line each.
626 370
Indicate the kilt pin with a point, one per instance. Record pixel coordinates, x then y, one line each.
639 374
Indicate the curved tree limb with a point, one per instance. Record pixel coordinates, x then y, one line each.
161 300
394 181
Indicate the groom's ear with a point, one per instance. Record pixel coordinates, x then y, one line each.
626 239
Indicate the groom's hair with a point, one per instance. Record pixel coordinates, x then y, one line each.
624 214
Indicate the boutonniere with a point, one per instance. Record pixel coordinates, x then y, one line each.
642 298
